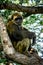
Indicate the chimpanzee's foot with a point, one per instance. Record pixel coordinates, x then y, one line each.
32 51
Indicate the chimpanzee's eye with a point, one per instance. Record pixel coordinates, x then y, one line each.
19 18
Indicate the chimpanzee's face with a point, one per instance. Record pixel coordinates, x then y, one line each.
18 20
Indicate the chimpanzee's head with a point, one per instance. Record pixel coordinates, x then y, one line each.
17 18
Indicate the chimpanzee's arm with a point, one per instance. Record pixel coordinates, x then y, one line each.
32 35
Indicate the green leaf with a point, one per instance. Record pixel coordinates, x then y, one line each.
41 22
2 60
42 30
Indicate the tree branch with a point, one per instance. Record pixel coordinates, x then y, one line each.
29 10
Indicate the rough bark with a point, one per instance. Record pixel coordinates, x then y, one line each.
10 51
17 7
